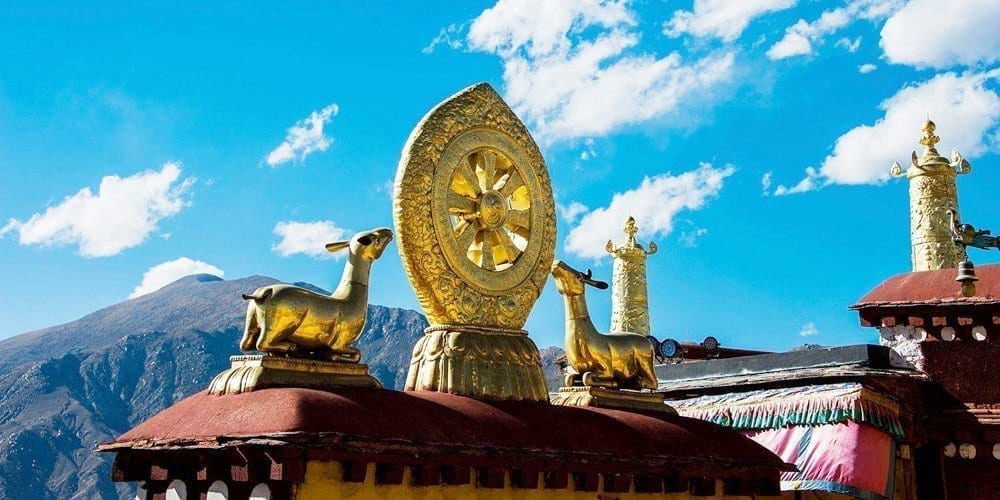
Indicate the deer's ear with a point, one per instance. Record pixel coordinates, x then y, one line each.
337 246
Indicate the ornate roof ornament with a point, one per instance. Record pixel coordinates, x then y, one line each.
474 213
630 231
599 364
305 337
933 194
475 219
629 294
929 139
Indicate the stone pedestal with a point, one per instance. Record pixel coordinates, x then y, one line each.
251 373
599 397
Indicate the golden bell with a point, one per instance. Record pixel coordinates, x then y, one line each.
967 277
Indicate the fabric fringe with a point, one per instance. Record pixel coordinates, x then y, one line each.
810 405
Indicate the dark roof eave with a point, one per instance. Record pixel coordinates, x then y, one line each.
423 451
927 303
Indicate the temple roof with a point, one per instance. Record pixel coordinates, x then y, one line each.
933 288
447 428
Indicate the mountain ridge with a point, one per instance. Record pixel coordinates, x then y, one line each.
69 387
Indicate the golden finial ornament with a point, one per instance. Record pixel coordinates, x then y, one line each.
629 294
475 220
929 139
933 194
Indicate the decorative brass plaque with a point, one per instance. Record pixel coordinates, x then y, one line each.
474 213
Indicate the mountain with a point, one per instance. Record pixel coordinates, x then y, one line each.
67 388
554 375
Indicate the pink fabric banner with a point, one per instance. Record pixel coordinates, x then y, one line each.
848 458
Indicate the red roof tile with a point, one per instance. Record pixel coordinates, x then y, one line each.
431 423
936 287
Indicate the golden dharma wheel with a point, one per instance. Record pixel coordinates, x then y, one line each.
474 213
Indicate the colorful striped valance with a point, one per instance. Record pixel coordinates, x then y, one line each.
805 405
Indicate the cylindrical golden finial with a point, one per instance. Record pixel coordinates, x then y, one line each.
933 193
629 298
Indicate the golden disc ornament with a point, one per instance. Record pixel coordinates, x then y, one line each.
474 213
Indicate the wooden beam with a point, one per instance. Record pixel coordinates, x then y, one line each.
239 472
701 486
288 470
157 473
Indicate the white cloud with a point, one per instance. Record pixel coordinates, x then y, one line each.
571 69
810 182
722 19
304 138
794 43
849 45
964 107
690 238
588 150
654 204
765 182
864 69
808 330
121 215
450 35
929 33
801 37
309 238
168 272
571 212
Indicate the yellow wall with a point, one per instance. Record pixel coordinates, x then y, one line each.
323 481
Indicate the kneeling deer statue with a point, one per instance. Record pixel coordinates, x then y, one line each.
623 360
285 319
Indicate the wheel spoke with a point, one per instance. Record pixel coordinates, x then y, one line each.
465 182
509 182
460 205
509 252
465 233
518 219
488 174
487 261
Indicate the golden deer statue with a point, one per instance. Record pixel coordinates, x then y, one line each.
622 360
285 319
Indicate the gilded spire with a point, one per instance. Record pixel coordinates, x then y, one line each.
630 230
929 139
933 195
629 297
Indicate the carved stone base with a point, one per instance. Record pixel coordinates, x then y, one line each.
251 373
477 363
599 397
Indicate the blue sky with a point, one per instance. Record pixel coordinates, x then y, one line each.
751 140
